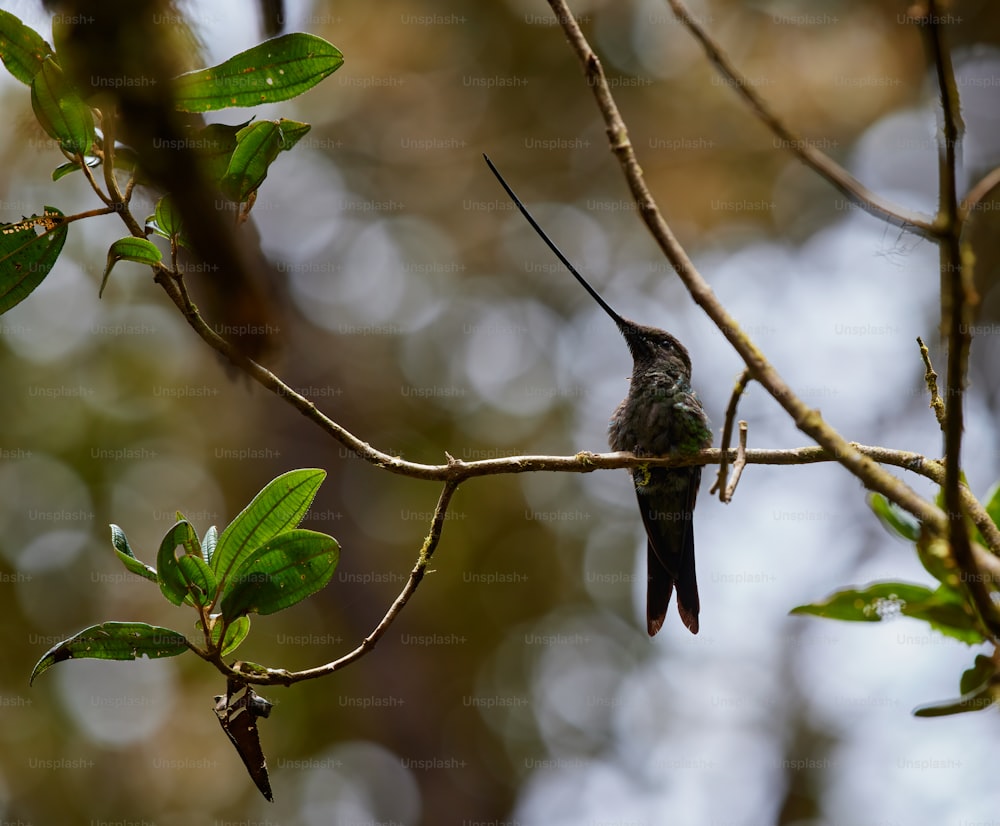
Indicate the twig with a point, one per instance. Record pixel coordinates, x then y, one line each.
930 378
738 465
727 433
849 186
958 296
108 132
585 462
809 421
980 190
274 676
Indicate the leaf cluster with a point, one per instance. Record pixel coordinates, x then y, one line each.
260 564
237 158
947 608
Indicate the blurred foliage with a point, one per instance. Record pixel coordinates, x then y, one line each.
418 312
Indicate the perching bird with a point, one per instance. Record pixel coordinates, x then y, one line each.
660 416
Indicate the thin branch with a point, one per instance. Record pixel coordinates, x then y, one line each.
930 379
806 455
808 420
738 465
584 462
958 297
972 199
88 173
727 433
108 132
827 168
52 222
277 676
458 471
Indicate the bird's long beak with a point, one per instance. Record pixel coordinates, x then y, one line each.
624 324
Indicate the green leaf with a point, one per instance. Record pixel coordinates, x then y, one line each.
871 604
974 701
252 669
215 144
166 221
167 218
60 111
282 572
257 146
27 257
993 503
114 641
124 551
70 167
978 676
274 70
292 131
948 612
209 542
200 579
22 49
130 248
893 518
943 609
280 506
976 686
236 632
174 581
934 553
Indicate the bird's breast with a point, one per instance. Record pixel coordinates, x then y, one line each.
660 416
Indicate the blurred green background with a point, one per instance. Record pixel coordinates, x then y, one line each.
420 312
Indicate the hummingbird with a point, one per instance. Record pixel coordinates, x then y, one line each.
660 416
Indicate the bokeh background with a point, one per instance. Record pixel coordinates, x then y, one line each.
419 311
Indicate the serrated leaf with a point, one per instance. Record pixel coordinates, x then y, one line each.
26 256
275 70
870 604
60 110
282 572
114 641
22 49
130 248
124 552
257 146
893 518
173 581
279 507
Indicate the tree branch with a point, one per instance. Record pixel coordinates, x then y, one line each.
727 436
809 421
958 296
821 163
